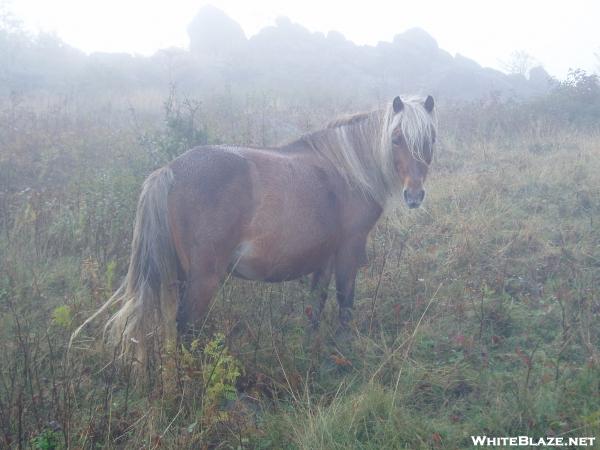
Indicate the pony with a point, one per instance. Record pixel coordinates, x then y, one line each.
269 214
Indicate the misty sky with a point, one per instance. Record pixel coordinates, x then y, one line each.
558 34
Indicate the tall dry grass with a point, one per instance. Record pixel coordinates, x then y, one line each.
477 314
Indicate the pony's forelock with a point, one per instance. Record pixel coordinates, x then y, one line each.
418 126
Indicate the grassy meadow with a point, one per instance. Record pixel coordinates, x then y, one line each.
478 314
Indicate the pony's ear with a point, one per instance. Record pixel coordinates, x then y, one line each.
428 104
397 105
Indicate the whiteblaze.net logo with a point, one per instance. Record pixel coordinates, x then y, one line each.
527 441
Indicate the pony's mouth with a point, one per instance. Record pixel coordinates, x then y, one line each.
414 199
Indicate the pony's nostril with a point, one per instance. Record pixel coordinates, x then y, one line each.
413 198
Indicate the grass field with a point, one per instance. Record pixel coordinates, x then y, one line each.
478 314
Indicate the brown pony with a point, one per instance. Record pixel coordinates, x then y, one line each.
267 214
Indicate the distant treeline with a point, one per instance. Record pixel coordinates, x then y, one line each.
280 83
285 59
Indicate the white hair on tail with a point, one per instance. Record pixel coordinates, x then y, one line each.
148 295
360 146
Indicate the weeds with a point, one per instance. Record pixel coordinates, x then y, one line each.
479 314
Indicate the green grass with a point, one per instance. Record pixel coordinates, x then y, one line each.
478 314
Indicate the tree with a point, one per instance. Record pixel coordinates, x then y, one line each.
8 22
519 62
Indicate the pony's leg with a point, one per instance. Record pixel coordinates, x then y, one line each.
319 286
348 260
207 269
344 284
192 310
345 280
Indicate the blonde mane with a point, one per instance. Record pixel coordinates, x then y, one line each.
360 146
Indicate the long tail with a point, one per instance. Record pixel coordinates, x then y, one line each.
148 295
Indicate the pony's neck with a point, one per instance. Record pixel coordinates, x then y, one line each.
353 147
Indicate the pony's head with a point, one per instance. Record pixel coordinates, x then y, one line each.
412 132
372 151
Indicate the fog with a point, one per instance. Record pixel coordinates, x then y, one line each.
451 149
557 35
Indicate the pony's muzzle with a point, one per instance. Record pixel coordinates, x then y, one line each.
414 197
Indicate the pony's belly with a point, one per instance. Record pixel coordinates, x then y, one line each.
251 263
260 272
